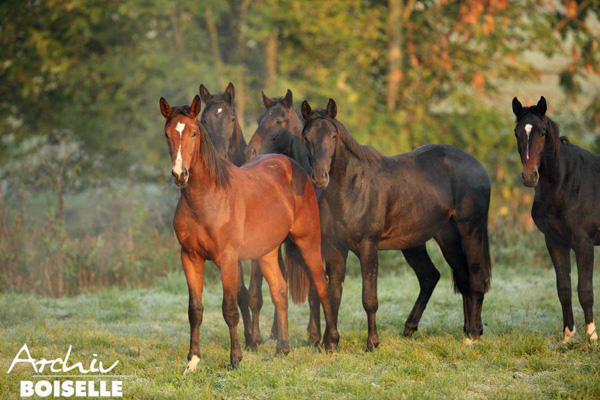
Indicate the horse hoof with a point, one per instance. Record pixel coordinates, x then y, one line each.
283 349
470 340
314 340
590 331
372 344
568 334
251 346
408 331
192 365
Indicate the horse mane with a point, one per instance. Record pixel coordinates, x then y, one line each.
361 152
215 166
238 137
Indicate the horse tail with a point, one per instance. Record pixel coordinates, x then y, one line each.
487 261
298 280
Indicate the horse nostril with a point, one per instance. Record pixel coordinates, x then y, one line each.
534 176
174 174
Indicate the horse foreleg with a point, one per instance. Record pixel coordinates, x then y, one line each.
561 259
230 277
193 267
335 261
279 293
584 255
369 264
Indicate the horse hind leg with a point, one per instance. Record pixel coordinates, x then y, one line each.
308 243
428 277
270 269
449 241
474 240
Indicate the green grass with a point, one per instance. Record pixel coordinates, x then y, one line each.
520 355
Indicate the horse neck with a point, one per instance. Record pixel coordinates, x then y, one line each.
552 164
343 163
297 150
200 184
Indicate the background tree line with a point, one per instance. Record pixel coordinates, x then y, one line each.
81 81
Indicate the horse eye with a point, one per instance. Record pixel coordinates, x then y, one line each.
278 122
194 134
166 135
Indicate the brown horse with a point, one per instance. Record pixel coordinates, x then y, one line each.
223 215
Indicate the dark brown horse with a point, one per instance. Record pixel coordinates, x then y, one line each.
223 215
371 202
565 208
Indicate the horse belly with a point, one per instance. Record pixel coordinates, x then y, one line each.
410 230
265 229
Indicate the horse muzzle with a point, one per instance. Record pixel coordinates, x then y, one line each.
180 178
321 178
530 177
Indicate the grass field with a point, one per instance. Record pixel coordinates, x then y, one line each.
519 356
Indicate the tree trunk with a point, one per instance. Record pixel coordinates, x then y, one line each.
214 43
271 59
240 92
395 43
61 205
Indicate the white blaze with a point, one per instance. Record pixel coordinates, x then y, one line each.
527 132
178 168
219 110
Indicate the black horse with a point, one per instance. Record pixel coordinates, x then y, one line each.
567 193
377 202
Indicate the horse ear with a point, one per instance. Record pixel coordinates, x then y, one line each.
542 106
195 107
331 109
306 110
205 94
230 93
288 100
165 108
517 107
266 101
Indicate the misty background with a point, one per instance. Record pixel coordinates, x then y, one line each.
86 199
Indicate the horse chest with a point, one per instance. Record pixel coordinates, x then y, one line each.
551 220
